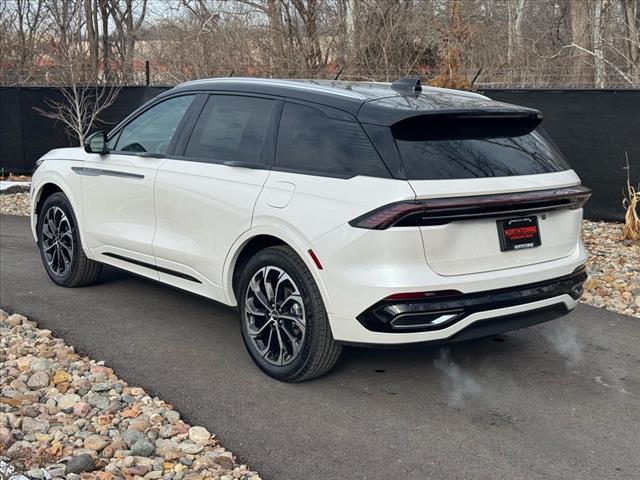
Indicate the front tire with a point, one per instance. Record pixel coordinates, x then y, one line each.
60 247
284 323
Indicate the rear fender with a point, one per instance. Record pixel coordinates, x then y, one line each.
298 244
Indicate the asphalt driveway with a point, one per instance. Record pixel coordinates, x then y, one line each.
560 400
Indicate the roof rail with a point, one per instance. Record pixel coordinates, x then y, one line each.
407 85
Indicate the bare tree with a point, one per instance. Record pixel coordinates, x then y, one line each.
600 10
581 36
516 17
632 37
91 16
22 50
523 43
128 17
73 74
80 108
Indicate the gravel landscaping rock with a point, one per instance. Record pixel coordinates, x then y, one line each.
613 268
89 431
142 448
15 204
80 463
38 380
199 435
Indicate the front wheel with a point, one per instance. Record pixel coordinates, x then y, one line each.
60 247
284 323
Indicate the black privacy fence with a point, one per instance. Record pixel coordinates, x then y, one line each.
594 128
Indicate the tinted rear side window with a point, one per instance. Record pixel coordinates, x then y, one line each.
234 128
498 156
311 141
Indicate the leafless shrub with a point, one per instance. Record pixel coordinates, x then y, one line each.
631 228
79 82
80 108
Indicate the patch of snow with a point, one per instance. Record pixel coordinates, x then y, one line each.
4 184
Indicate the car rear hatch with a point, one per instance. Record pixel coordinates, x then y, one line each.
492 190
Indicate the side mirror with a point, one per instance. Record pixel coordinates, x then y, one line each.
96 143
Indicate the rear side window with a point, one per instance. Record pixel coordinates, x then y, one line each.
311 141
234 128
488 156
152 130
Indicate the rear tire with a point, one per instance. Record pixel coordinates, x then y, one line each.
283 320
60 247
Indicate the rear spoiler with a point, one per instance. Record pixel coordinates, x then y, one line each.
466 124
438 104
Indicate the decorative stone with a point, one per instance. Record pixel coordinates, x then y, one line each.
33 425
59 407
96 442
38 380
40 365
168 449
15 320
132 436
81 463
199 435
142 448
61 377
6 439
191 448
172 416
68 401
224 461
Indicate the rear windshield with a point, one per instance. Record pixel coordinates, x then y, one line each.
498 156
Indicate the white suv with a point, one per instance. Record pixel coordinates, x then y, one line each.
329 212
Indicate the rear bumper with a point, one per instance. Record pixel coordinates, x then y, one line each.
436 312
490 322
507 323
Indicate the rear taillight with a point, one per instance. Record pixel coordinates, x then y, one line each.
386 216
439 211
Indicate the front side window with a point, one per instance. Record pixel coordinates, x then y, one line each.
153 130
234 128
309 140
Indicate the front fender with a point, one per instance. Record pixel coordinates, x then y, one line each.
59 174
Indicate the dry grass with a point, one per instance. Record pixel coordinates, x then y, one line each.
631 229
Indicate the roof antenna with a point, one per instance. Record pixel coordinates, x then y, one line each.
476 77
232 72
338 74
407 85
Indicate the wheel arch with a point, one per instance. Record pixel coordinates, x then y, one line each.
252 242
42 191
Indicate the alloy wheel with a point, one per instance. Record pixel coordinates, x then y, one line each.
57 241
275 316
